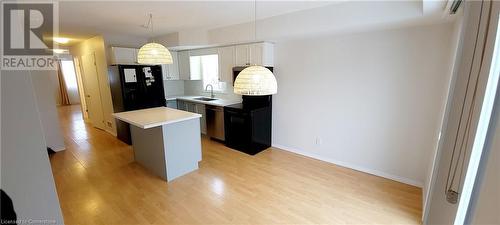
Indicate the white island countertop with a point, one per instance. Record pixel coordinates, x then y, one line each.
155 117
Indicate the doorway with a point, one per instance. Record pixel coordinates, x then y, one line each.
78 73
70 81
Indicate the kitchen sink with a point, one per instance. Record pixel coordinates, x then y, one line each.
204 99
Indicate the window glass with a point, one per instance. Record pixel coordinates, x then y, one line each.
206 68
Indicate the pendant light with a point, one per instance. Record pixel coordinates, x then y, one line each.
255 80
153 53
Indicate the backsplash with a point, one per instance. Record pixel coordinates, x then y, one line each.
195 87
173 87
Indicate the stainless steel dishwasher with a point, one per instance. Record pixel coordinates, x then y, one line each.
215 122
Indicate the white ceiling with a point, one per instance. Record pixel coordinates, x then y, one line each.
87 18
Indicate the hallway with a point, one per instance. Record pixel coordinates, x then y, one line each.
98 182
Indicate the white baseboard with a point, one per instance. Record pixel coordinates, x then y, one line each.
111 132
352 166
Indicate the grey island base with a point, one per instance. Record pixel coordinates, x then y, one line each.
165 141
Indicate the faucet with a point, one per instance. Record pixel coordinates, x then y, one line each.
211 90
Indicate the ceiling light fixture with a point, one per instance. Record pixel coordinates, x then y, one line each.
59 51
255 80
153 53
61 40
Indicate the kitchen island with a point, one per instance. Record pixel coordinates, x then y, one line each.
165 141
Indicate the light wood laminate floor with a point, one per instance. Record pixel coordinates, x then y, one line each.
98 182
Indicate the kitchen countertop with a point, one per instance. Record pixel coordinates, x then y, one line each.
155 117
218 102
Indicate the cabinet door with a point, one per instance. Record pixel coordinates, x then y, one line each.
200 109
172 104
256 51
123 55
226 64
173 68
242 55
191 107
195 68
184 72
181 105
136 53
267 54
171 71
165 72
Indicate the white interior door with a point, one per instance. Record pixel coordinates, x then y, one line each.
92 91
462 135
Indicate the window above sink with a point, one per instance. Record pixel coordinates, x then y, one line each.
206 68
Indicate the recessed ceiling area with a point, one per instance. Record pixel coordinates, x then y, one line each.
86 19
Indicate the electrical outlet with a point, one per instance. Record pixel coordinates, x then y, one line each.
318 141
109 124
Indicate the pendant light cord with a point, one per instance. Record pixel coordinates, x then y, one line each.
151 24
255 20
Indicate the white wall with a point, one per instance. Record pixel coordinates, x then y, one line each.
346 17
453 66
367 80
46 105
26 175
488 203
373 99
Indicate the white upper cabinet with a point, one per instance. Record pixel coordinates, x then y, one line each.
190 61
257 53
171 71
184 68
267 54
226 63
174 67
195 68
203 51
241 55
123 55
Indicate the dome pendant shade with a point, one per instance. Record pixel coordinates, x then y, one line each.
154 54
255 80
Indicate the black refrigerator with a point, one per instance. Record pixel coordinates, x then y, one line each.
135 87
